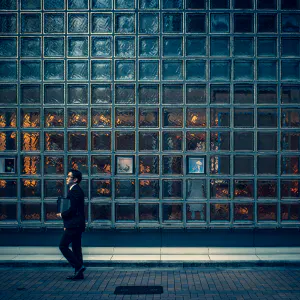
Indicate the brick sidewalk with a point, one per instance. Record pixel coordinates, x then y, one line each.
185 283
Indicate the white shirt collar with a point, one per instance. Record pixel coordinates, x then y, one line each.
72 186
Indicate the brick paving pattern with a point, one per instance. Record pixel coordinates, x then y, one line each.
178 283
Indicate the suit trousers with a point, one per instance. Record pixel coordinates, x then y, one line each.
74 256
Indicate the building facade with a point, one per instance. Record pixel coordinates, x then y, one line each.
179 113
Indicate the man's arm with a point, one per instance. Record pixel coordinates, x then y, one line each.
73 196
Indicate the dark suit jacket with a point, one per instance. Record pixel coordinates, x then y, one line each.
74 216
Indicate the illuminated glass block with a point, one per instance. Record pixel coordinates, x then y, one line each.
78 46
148 23
101 46
101 23
78 23
148 46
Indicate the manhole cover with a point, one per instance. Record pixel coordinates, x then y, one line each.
140 289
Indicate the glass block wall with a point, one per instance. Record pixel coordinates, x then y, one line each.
179 113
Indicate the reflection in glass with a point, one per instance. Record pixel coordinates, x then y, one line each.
54 165
220 164
148 117
172 188
124 94
266 141
172 94
79 163
290 117
77 94
243 140
267 117
101 188
53 188
148 164
195 212
125 140
172 212
289 188
196 117
54 117
149 188
243 212
266 212
100 212
54 94
290 212
219 212
243 117
243 94
101 117
148 212
31 211
219 188
172 140
266 188
8 188
172 165
30 188
30 165
148 141
125 212
243 189
148 94
290 141
77 117
101 93
8 118
290 165
220 140
196 189
125 188
8 212
125 117
266 94
290 94
30 141
77 141
266 164
8 140
220 23
101 141
50 211
54 141
195 94
101 164
30 118
219 117
220 94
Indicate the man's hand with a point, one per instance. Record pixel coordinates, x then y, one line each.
58 215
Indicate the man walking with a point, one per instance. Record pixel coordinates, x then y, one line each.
74 225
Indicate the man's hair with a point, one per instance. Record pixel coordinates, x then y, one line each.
76 174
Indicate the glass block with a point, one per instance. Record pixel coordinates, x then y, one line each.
267 4
220 70
125 212
219 188
290 47
30 70
8 4
266 23
8 47
149 189
243 117
267 117
290 4
290 141
30 165
101 23
8 212
148 70
30 117
124 93
148 47
172 94
8 94
170 4
196 189
148 94
101 4
30 4
78 163
172 165
220 94
124 47
125 70
8 23
290 70
243 189
77 94
50 211
220 165
54 165
267 212
101 141
172 117
220 117
53 188
266 94
243 94
101 117
290 22
243 141
195 46
199 4
148 212
30 94
124 4
219 4
290 94
77 46
266 141
77 141
30 212
54 23
148 23
172 70
78 23
195 23
125 188
54 70
149 4
30 47
196 117
8 117
219 23
8 141
195 94
31 188
267 164
220 141
243 70
8 188
290 117
195 141
172 46
289 188
149 165
100 212
219 46
125 140
266 189
53 94
77 70
125 117
148 141
172 141
243 4
124 23
267 47
8 71
243 23
54 141
77 117
54 4
172 23
148 117
54 117
77 4
30 23
172 212
243 212
53 46
196 70
101 70
101 46
101 188
290 212
101 94
243 46
172 188
266 70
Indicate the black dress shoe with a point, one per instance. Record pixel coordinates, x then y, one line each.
76 277
80 271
